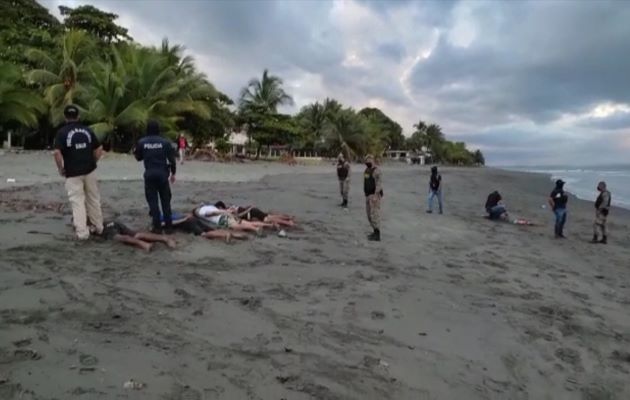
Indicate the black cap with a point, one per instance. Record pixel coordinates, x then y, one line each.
560 182
153 127
71 111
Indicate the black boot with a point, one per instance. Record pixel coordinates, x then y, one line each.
344 203
595 239
604 240
375 236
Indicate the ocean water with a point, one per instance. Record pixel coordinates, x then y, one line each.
582 181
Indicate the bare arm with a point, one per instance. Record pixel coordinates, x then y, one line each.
98 153
59 162
551 202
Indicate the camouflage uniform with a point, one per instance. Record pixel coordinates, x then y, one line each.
373 194
602 206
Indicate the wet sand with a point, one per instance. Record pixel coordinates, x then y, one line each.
445 307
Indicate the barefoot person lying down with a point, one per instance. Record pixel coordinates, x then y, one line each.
119 232
190 224
251 213
223 219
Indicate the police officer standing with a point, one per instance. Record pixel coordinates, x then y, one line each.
343 173
602 208
77 151
373 189
159 162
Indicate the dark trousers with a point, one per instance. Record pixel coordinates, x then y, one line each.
158 191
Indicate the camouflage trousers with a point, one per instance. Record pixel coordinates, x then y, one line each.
344 188
373 208
599 226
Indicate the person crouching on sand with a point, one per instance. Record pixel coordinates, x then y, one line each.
495 209
602 208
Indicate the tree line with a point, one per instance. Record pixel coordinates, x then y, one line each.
89 60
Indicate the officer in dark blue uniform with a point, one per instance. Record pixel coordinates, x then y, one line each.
158 155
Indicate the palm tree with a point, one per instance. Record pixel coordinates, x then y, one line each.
347 133
312 121
140 84
18 105
264 95
60 73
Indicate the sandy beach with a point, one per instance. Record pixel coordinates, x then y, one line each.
445 307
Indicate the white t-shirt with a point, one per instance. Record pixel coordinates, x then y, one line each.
208 210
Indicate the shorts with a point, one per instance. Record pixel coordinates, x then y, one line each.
111 229
191 225
254 214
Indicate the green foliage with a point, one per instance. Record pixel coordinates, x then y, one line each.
18 105
258 109
222 146
119 85
25 24
389 130
97 23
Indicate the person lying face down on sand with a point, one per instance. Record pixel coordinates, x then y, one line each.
114 230
254 214
189 223
219 218
498 212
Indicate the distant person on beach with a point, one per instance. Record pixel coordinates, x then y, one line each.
159 162
119 232
435 189
182 145
343 174
373 189
558 201
77 150
495 209
602 208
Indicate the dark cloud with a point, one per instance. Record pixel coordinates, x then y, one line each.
498 74
533 60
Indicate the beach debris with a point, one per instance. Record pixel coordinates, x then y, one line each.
378 315
131 384
621 356
22 342
84 370
422 333
282 233
383 364
27 354
288 350
87 360
10 180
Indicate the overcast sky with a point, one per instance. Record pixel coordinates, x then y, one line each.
528 82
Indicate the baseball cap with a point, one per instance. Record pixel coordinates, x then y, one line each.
71 111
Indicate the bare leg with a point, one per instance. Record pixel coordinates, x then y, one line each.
131 241
276 219
220 234
152 237
282 216
246 226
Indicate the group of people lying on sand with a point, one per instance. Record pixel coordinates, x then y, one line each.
210 221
